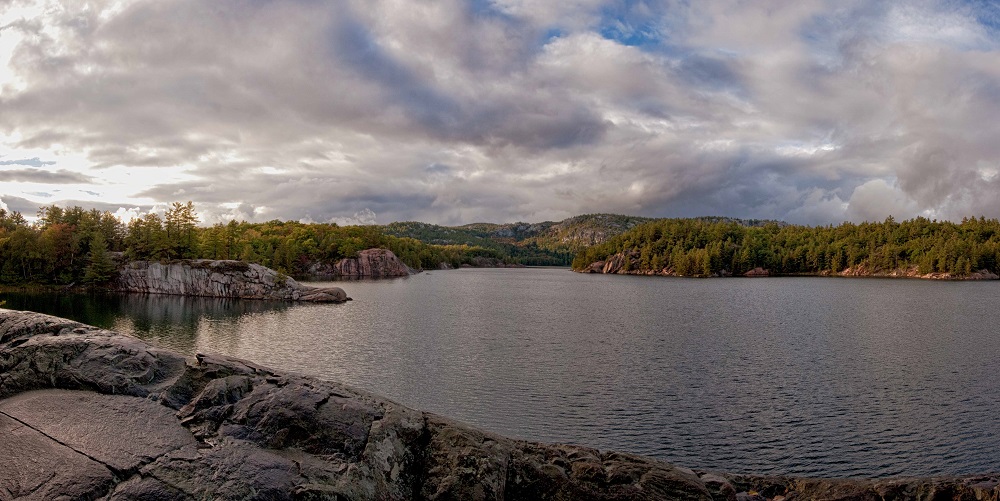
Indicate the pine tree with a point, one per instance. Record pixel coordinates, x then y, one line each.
101 268
181 227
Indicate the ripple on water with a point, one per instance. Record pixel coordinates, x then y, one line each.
810 376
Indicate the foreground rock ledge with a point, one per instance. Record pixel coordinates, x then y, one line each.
87 413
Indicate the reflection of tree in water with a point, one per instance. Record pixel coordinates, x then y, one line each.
96 310
177 321
170 321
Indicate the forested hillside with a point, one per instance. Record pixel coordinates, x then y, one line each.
74 245
702 247
537 244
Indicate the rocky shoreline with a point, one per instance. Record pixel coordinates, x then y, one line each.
627 264
370 263
224 279
87 413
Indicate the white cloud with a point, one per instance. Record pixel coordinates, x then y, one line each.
126 215
360 218
909 23
877 199
572 14
519 110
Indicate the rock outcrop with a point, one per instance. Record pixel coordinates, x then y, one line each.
370 263
621 263
227 279
628 263
87 413
914 272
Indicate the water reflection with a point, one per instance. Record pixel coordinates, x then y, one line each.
174 322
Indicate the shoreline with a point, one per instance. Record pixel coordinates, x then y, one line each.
982 275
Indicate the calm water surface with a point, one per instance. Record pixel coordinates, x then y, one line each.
809 376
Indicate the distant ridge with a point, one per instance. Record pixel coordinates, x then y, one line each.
748 223
544 243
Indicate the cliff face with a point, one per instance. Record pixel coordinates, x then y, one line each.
232 279
370 263
222 428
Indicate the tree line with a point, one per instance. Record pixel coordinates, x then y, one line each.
693 247
75 245
525 250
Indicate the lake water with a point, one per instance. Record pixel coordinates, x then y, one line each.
806 376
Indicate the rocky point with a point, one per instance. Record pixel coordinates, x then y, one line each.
223 278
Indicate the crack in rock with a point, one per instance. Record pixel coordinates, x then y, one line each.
110 468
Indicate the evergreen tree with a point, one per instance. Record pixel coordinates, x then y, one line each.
101 267
181 230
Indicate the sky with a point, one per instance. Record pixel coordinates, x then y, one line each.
461 111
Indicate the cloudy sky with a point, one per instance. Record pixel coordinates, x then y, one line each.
458 111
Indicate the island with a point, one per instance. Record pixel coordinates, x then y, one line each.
88 413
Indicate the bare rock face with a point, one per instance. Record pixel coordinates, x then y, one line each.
757 272
914 272
370 263
87 413
622 263
230 279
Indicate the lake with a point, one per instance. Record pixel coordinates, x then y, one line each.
807 376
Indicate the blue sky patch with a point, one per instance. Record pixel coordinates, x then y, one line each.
634 23
30 162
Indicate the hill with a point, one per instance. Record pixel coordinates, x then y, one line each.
546 243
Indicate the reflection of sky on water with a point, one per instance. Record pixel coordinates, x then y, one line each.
188 324
179 323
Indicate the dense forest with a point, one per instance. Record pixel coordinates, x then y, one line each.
74 245
703 247
515 251
549 243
